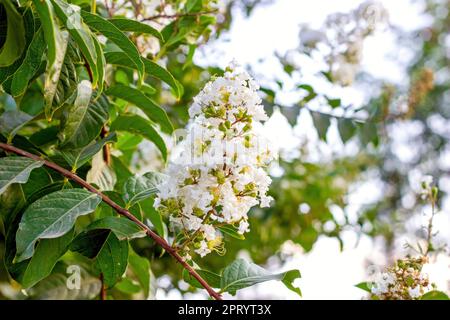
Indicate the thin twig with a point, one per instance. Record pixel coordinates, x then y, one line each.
122 211
430 223
178 15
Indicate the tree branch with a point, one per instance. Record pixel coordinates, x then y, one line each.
160 241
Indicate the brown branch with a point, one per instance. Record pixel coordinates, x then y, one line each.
160 241
178 15
103 288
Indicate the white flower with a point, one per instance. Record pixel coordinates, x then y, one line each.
414 292
243 226
382 283
218 173
203 250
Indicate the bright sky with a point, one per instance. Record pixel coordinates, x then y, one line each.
327 273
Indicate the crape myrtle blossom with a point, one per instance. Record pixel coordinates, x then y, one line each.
218 172
404 281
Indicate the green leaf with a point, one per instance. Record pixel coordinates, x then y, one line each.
45 11
435 295
16 170
83 121
155 70
364 286
15 34
347 129
242 274
151 68
289 278
110 31
29 24
77 157
138 188
140 100
322 123
12 121
54 287
154 216
138 125
127 286
101 65
52 216
46 255
70 15
129 25
112 259
333 103
231 231
368 133
39 178
54 72
30 64
61 89
89 243
212 278
122 227
141 269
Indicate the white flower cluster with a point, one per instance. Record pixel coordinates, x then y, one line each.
404 281
342 38
219 171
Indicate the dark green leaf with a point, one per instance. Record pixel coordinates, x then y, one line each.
110 31
15 35
138 125
70 16
138 188
45 11
112 259
83 120
16 170
122 227
12 121
129 25
151 68
30 64
89 243
53 74
47 253
77 157
101 65
150 108
52 216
